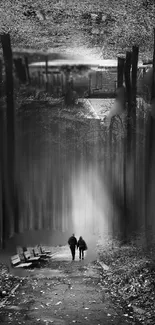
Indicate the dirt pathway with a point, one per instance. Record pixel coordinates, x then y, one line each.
63 292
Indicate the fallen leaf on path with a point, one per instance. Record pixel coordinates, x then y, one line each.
58 303
138 310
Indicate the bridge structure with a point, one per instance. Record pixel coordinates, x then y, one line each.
95 78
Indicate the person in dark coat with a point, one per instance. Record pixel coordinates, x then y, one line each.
81 244
72 242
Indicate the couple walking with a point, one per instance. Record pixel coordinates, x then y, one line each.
81 244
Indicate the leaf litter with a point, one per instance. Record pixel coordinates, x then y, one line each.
130 281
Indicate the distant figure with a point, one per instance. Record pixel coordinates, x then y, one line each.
81 244
72 242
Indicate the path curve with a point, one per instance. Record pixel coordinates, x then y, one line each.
62 293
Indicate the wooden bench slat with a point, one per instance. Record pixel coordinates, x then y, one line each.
23 265
16 262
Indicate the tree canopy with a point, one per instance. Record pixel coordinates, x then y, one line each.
40 25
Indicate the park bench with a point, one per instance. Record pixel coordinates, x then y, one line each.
20 251
16 262
43 250
33 255
28 257
37 252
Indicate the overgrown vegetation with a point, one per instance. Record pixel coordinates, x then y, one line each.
130 280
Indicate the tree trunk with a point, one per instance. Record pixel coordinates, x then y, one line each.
2 215
120 72
135 52
127 144
149 164
13 221
153 81
46 71
27 69
111 174
20 70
